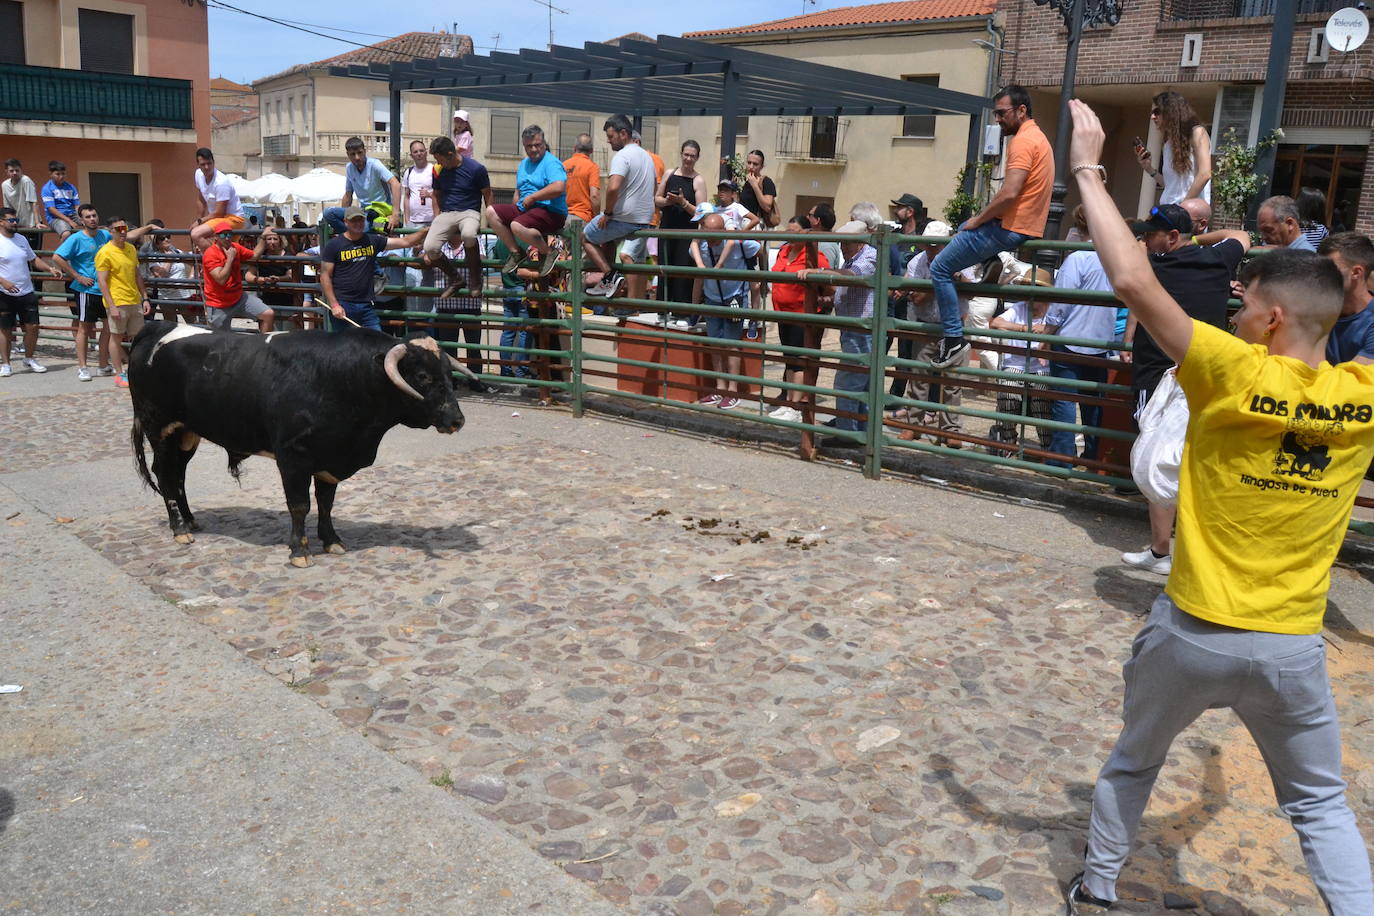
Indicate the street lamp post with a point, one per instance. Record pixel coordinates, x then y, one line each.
1076 15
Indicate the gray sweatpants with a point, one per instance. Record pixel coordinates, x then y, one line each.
1277 685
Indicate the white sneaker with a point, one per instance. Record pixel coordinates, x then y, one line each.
107 370
784 412
34 365
83 374
1147 561
606 284
5 370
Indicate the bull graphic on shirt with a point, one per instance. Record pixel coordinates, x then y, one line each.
1301 455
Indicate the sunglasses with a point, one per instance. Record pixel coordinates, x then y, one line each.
999 112
1156 212
1154 111
11 219
119 228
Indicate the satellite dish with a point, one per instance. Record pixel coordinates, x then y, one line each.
1347 29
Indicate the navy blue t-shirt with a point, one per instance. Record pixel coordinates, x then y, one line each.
461 188
1352 336
354 264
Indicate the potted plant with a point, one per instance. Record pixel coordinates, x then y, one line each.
1234 182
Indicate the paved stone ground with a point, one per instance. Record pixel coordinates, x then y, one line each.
706 698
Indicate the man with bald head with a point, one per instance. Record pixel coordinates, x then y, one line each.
723 255
1201 212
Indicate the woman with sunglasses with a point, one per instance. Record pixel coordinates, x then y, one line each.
1186 167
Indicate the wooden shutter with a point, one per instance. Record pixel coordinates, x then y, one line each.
107 41
12 25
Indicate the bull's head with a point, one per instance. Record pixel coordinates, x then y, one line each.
419 369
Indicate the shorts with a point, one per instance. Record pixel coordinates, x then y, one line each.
126 319
61 226
541 219
248 306
727 328
636 249
601 231
446 225
792 334
18 309
235 222
88 308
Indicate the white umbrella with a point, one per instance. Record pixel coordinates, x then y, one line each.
318 186
241 184
270 188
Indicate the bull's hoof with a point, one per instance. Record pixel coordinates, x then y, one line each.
335 548
186 538
302 562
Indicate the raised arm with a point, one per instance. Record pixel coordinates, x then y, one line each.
407 241
1122 257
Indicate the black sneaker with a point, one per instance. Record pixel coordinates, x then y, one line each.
1080 903
950 351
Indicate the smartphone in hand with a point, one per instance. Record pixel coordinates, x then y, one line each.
1139 144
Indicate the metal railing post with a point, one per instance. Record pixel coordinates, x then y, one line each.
575 298
877 360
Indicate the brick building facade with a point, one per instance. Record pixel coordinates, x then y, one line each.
1215 53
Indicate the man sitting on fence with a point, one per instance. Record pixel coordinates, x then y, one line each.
540 208
462 190
628 205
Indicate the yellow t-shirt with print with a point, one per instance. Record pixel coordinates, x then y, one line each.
122 263
1273 461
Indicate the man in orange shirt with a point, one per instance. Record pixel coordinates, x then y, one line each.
584 180
1015 214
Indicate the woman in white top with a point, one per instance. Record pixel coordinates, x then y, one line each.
1186 167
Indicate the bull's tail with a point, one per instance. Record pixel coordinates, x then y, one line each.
140 458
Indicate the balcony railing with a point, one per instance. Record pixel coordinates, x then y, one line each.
53 94
281 145
817 139
1239 9
378 142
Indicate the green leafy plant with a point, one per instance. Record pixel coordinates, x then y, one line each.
738 168
1234 182
961 205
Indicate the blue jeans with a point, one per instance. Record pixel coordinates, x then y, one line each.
1180 667
334 217
511 337
362 313
1062 441
968 247
859 342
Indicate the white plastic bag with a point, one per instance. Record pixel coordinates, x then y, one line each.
1158 451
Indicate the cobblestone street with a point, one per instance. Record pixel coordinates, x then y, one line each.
703 698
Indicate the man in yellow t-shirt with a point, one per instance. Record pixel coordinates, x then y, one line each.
1278 440
126 299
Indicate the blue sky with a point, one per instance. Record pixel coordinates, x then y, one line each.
244 48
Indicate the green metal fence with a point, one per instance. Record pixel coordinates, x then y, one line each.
631 354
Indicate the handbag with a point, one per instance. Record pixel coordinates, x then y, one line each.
1157 454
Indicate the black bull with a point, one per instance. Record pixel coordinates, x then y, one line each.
317 403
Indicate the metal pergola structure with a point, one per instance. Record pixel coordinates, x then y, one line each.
668 76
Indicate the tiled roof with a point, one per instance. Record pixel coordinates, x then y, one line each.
220 84
410 46
871 14
228 117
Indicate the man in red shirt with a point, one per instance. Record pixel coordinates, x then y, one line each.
225 298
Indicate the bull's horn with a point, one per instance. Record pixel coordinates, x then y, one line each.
454 365
392 365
